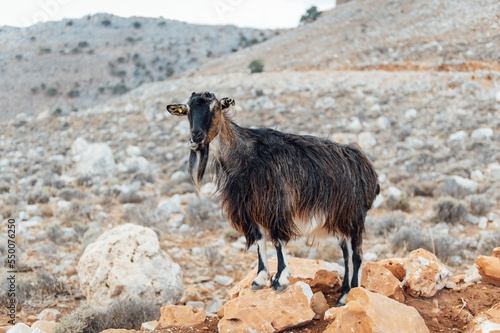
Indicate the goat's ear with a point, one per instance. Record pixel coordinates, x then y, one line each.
226 102
178 109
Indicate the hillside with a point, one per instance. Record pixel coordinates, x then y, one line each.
388 35
75 64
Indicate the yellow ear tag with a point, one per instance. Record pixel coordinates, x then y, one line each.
178 110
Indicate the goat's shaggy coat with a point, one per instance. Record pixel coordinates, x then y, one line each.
281 186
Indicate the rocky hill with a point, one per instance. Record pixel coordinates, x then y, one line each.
88 189
74 64
388 35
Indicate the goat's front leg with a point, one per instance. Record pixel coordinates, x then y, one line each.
280 279
262 278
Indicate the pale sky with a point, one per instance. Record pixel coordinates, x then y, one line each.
243 13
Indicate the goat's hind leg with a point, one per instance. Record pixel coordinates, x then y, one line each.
262 278
280 279
351 249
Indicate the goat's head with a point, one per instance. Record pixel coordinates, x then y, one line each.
204 112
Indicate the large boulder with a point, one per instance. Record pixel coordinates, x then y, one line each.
127 262
267 311
425 274
485 322
318 274
367 312
375 277
396 266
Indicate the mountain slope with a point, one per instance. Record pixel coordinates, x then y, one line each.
393 35
75 64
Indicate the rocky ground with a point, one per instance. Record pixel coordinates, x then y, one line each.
433 134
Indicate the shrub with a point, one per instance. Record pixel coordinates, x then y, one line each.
69 23
130 197
45 50
137 25
41 195
74 94
19 56
123 314
69 194
34 90
385 226
106 23
4 187
450 210
51 92
256 66
203 214
83 44
479 204
141 214
119 89
311 15
488 241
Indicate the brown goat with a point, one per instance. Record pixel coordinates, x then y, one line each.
278 186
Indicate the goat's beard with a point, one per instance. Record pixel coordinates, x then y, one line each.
197 164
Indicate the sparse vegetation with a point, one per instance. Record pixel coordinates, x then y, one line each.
83 44
106 23
73 94
479 204
203 214
130 197
39 195
256 66
19 56
450 210
137 25
51 92
119 89
124 314
45 50
311 15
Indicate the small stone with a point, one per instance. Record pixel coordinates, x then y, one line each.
355 125
214 306
489 268
477 176
411 114
369 256
196 304
376 278
149 326
118 330
366 140
496 252
472 275
472 219
319 305
44 325
483 222
458 136
23 328
368 312
224 280
493 217
176 315
482 133
425 274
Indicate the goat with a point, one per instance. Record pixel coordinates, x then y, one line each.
279 186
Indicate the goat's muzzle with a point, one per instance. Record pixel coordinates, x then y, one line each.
196 146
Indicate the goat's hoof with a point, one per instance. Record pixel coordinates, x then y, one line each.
279 287
256 286
342 300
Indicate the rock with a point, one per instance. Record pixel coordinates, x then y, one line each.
137 164
410 114
396 199
168 207
267 311
472 275
149 326
325 103
133 151
177 315
196 304
458 136
425 274
482 133
496 252
118 330
23 328
355 125
376 278
127 262
483 222
214 306
50 314
319 305
224 280
366 140
368 312
44 326
396 266
477 176
318 274
96 160
493 217
383 123
5 329
459 187
485 322
489 268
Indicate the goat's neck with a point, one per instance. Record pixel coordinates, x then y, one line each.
228 142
